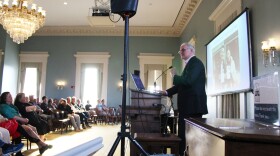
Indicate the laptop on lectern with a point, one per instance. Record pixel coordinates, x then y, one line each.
138 82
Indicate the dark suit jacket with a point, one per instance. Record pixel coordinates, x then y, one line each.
190 87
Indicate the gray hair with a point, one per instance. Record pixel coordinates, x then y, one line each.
189 46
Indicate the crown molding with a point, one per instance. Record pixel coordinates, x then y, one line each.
188 9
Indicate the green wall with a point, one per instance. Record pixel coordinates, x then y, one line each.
62 63
10 67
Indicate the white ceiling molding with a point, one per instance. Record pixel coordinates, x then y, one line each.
186 13
224 13
223 7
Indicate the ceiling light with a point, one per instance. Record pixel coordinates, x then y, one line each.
19 21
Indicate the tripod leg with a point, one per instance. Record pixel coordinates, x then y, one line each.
115 145
138 146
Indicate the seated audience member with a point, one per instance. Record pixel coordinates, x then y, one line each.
44 106
74 118
8 110
81 107
15 130
51 105
80 104
56 102
104 107
5 141
29 111
90 109
77 110
46 113
34 102
88 106
102 111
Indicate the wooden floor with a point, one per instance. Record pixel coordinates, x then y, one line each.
65 141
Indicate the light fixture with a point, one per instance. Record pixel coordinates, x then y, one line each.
19 21
270 53
60 85
120 86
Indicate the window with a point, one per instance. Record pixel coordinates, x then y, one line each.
91 75
32 75
155 80
151 67
91 82
30 81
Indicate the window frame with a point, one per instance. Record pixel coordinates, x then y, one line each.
35 57
92 58
155 58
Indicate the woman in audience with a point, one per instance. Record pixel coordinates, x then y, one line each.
101 110
51 105
9 111
74 118
29 111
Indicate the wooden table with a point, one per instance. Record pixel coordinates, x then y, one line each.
231 137
151 142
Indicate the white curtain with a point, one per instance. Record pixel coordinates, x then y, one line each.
229 106
99 78
24 66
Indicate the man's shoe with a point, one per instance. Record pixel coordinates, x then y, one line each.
44 148
12 148
84 127
89 126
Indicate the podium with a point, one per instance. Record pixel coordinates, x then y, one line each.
143 113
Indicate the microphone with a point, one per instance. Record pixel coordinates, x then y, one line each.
155 83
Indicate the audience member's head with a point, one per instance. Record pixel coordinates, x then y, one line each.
62 101
20 98
6 97
50 101
68 99
73 100
31 98
44 99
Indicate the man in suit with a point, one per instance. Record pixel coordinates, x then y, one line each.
190 87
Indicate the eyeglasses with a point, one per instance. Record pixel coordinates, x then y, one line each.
181 51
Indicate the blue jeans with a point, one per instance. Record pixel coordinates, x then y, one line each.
2 143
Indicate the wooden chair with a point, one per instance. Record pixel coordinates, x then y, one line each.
112 115
94 116
119 114
101 117
60 121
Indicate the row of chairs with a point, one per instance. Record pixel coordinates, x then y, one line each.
112 116
61 122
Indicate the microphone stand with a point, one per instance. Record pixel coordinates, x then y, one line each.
155 83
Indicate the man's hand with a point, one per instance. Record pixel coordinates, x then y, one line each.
173 72
163 92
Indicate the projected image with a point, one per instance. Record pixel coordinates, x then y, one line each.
227 66
228 59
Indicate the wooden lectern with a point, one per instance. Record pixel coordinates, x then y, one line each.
143 113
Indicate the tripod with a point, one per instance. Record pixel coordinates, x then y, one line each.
123 134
